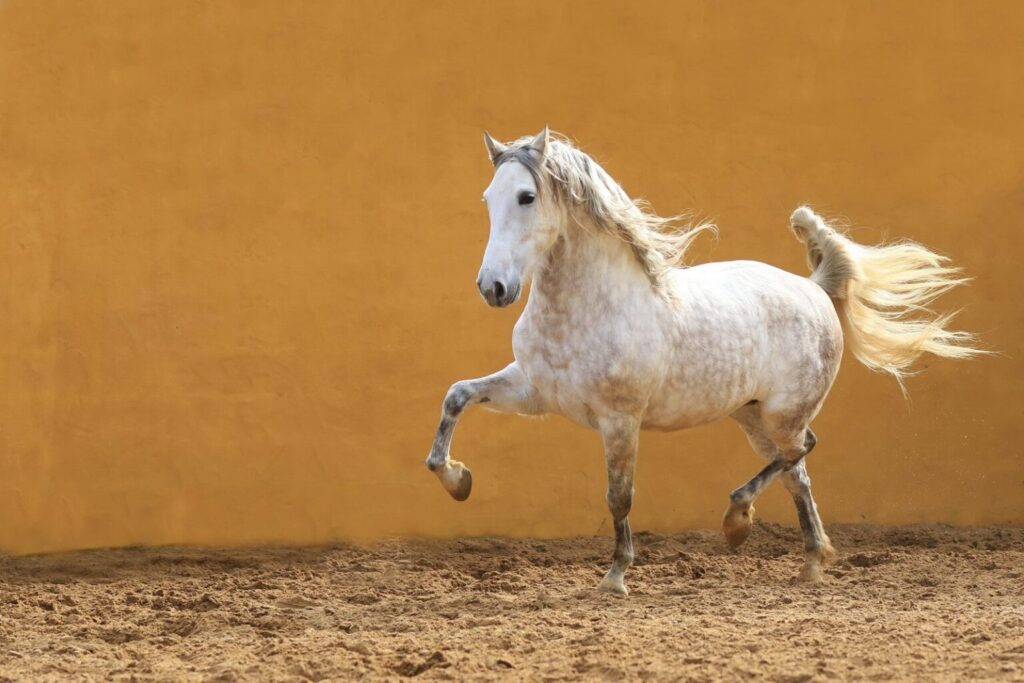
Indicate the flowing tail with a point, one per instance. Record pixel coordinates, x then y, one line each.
882 294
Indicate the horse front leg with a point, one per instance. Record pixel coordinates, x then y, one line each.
507 391
621 437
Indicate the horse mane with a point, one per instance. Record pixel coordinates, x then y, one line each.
593 197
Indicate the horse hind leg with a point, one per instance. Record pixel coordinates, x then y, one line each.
818 548
784 441
739 517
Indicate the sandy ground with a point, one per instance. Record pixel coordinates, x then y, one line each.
933 603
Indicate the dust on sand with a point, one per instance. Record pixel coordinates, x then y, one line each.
926 602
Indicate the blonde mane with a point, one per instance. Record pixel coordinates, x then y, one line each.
593 198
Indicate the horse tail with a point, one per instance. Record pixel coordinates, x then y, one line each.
882 293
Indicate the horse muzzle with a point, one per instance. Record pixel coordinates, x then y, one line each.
497 292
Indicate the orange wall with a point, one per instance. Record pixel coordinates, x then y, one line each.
239 241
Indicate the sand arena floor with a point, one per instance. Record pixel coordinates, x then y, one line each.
933 603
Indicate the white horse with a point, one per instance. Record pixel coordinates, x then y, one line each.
618 337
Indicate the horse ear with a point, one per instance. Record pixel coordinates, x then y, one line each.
494 148
540 142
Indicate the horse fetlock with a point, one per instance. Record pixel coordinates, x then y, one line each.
826 553
737 523
739 497
456 479
623 559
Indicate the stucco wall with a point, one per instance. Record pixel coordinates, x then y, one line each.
239 244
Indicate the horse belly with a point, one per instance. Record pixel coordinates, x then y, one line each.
682 403
716 368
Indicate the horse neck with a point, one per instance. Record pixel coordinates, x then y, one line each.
586 266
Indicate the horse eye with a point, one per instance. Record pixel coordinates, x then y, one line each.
526 198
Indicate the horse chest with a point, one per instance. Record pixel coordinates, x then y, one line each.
584 368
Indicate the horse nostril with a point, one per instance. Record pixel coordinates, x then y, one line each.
499 290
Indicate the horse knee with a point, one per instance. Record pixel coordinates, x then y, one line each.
457 398
619 503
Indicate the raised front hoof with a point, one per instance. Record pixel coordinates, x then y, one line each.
457 480
614 584
464 487
737 524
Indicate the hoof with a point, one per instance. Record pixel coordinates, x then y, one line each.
456 479
737 524
815 560
613 584
464 487
810 573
